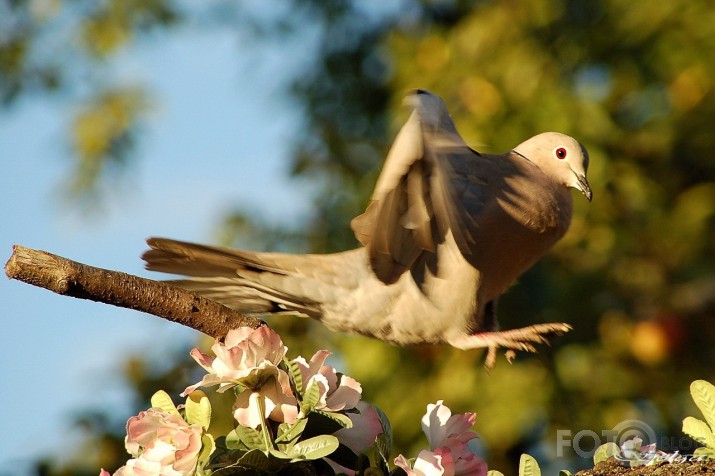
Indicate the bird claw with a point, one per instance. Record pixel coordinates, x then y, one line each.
523 339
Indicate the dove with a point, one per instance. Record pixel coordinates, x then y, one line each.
447 231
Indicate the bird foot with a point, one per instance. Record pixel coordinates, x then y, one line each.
524 339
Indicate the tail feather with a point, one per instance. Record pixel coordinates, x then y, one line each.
251 282
192 259
250 297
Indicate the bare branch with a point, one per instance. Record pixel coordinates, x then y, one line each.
78 280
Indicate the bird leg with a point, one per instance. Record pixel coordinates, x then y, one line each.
516 339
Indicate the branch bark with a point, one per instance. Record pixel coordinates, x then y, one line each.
82 281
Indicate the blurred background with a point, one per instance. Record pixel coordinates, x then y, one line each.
263 125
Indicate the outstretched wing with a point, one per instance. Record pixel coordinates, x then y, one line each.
429 185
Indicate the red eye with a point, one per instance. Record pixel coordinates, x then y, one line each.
560 153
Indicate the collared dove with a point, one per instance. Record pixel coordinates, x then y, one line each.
447 231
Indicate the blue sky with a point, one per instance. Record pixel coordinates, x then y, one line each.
218 136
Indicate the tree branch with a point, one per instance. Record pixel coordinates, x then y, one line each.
78 280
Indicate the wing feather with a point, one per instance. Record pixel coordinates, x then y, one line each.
429 185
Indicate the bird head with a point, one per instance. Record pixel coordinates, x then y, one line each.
559 156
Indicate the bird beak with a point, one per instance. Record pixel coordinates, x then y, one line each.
583 186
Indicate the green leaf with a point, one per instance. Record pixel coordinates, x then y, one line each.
253 462
528 466
311 397
295 374
343 420
494 472
280 454
162 400
237 470
382 444
386 428
704 397
605 451
699 431
198 409
320 424
233 442
208 446
564 472
249 437
704 452
379 461
292 432
314 448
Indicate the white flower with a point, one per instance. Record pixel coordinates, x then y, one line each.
336 392
449 436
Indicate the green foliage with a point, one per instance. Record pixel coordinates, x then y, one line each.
208 447
385 439
528 466
310 397
294 371
253 460
245 438
163 401
341 421
703 432
103 135
313 448
290 433
260 451
42 52
198 409
605 451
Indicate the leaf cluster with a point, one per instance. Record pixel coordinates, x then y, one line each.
703 432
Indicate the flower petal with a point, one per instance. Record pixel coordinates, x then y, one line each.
404 463
366 426
162 443
247 357
202 359
236 336
346 396
434 421
279 393
246 409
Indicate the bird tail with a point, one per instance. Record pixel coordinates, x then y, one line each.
249 282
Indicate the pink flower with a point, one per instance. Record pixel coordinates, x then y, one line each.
276 399
426 464
162 444
366 426
247 357
250 358
441 427
336 393
449 436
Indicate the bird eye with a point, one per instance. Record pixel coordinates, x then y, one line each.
560 153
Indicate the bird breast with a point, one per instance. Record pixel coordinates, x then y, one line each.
523 225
